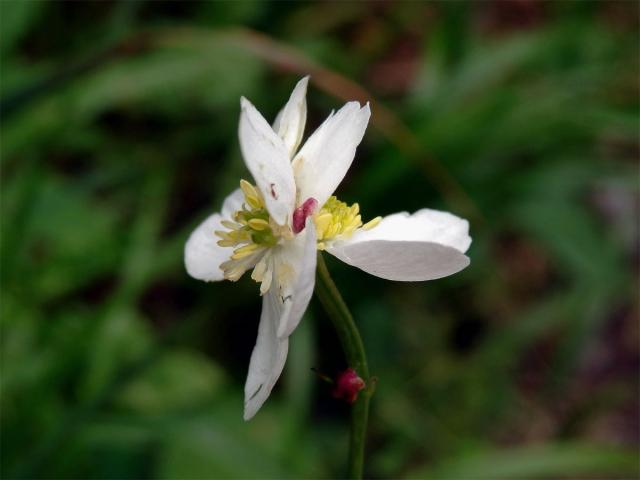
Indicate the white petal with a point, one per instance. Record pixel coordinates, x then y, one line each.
232 204
282 308
289 123
402 261
268 161
268 357
323 161
424 246
202 254
425 225
300 255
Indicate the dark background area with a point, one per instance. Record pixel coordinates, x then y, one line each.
119 135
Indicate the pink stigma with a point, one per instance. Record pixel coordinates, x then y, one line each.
301 213
347 385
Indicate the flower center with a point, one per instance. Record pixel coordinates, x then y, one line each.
336 220
251 225
252 234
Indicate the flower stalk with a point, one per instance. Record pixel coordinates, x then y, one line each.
353 348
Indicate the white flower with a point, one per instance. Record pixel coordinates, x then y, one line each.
276 227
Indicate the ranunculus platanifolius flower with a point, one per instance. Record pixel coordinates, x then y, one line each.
275 226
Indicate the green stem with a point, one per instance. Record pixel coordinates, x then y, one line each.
353 348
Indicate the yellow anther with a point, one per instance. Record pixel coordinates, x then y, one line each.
239 236
351 224
248 189
245 251
258 224
254 202
251 234
251 195
229 224
226 243
371 223
338 220
349 230
323 221
335 229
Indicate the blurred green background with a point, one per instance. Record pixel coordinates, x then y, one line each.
119 135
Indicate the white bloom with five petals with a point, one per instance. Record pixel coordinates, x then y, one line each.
276 227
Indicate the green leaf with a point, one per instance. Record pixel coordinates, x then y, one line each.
122 338
16 17
178 380
171 79
71 234
206 449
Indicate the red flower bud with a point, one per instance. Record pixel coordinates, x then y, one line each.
347 385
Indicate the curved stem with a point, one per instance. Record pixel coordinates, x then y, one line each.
353 348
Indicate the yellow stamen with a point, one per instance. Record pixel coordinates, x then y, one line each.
349 230
251 233
251 195
323 220
338 220
226 243
371 223
248 189
228 224
245 251
258 224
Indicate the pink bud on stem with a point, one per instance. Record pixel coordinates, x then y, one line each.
347 385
